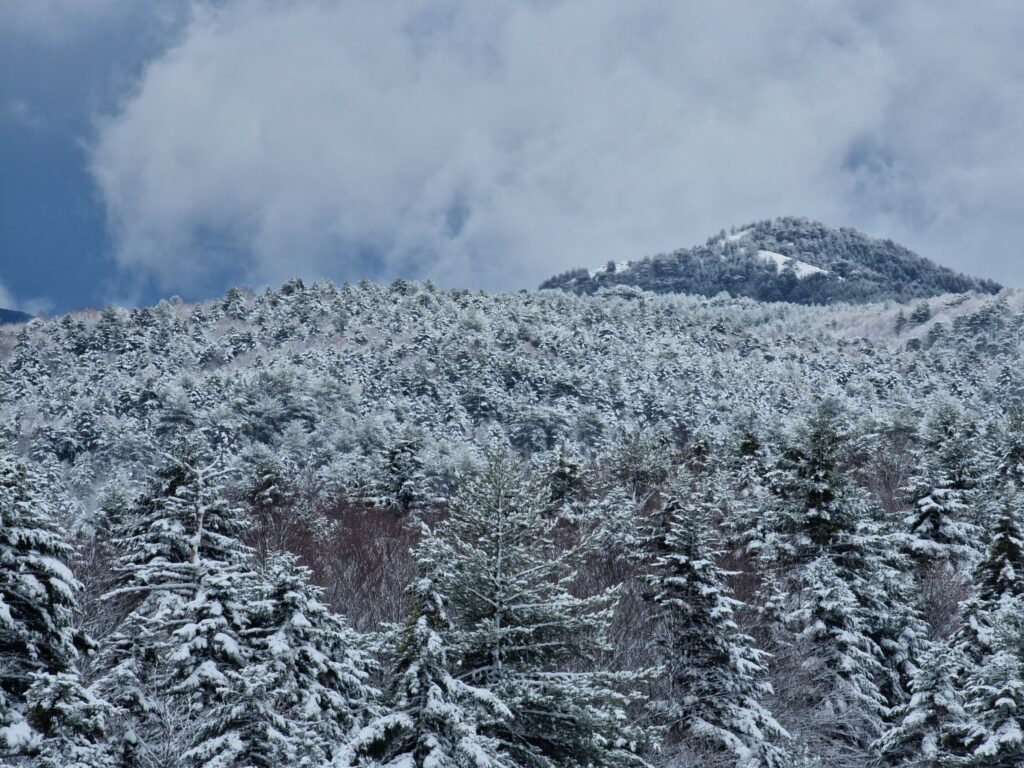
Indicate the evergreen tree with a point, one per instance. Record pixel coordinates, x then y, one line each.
942 524
37 589
717 679
434 719
71 722
817 514
995 696
840 667
37 604
184 574
521 633
928 728
306 664
997 579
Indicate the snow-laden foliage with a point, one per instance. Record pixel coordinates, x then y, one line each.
717 680
238 495
786 259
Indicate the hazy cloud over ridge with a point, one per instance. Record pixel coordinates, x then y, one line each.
492 144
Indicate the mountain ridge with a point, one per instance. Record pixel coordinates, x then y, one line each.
13 317
790 259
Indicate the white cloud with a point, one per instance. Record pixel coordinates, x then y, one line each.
493 144
7 299
37 306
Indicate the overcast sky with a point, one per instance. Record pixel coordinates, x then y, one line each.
167 147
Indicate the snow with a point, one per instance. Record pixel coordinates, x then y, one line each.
737 235
801 268
620 266
18 735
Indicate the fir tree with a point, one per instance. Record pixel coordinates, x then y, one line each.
71 721
994 698
37 604
942 523
307 665
717 679
928 728
37 589
839 668
185 575
520 632
434 719
997 579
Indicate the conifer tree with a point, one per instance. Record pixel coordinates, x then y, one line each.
72 723
717 679
840 668
184 573
521 633
943 522
307 665
997 579
434 719
994 697
37 589
37 604
927 729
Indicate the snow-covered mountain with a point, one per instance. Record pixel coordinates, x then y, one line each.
794 523
786 259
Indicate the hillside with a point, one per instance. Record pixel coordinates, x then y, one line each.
786 259
660 476
10 317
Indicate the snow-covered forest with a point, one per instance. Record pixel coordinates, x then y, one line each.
377 525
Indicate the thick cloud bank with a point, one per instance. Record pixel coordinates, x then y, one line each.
492 144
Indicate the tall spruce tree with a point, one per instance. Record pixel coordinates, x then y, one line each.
308 666
994 697
184 573
997 578
717 680
943 524
927 730
521 633
72 723
43 707
829 583
434 720
37 589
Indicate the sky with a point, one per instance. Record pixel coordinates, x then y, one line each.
171 147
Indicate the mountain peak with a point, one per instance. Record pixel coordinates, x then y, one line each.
785 259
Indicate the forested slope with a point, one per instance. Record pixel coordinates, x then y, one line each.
390 525
786 259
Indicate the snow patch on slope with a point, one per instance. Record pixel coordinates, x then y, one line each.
801 268
620 266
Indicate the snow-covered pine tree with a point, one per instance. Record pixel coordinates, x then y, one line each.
433 719
71 721
716 678
817 513
37 589
520 633
927 729
997 578
308 667
37 599
184 573
246 730
994 697
943 522
839 669
1010 453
